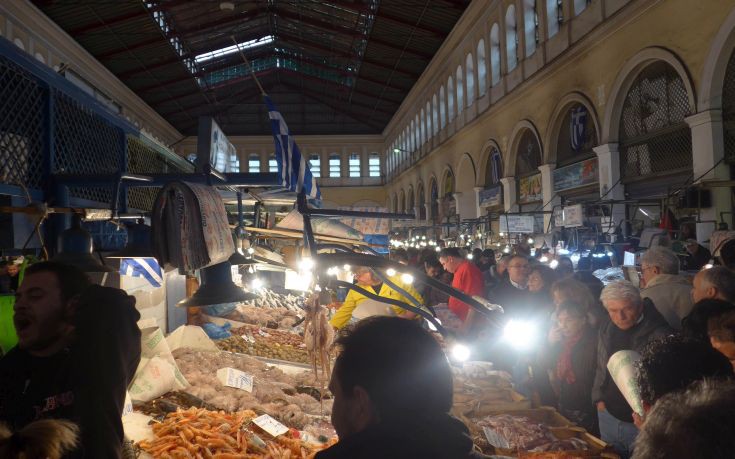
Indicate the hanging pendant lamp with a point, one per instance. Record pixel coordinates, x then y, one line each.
139 242
217 288
75 247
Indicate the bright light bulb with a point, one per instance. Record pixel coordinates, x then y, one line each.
470 256
553 264
438 249
423 238
407 278
707 266
257 284
530 240
251 250
520 334
544 259
306 264
609 254
502 234
346 267
460 352
391 272
506 249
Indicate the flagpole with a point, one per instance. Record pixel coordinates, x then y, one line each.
247 63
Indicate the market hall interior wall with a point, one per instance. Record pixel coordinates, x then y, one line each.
589 67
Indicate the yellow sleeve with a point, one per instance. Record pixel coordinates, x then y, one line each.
343 315
410 290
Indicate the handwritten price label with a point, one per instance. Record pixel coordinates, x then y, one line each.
270 425
248 338
231 377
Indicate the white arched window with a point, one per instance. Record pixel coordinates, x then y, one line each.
469 67
553 17
429 132
254 163
442 107
315 165
495 54
412 137
374 164
354 165
422 128
272 163
580 5
417 134
530 26
450 99
460 89
434 115
481 69
335 165
511 38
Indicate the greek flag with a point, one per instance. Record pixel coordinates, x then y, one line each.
142 267
293 168
577 123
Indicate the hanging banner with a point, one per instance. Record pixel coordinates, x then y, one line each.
491 196
530 189
576 175
517 223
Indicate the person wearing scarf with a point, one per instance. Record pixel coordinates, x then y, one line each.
574 373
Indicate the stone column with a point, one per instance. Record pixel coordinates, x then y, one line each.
547 190
708 152
510 194
608 158
478 209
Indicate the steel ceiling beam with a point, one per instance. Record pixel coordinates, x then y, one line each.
346 31
306 41
253 52
123 18
398 20
181 33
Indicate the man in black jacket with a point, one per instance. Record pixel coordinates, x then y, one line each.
633 324
392 390
78 349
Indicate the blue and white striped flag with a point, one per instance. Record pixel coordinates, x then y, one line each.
142 267
293 168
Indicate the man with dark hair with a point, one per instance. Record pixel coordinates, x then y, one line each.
467 279
721 329
512 292
695 424
392 390
695 324
78 349
714 283
727 254
672 364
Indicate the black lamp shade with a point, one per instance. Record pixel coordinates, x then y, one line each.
139 242
75 247
217 288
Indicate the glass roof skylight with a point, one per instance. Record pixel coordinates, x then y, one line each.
233 49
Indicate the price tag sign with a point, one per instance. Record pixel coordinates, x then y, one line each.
270 425
262 333
248 338
231 377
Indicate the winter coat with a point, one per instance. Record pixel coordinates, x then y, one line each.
444 437
652 327
671 294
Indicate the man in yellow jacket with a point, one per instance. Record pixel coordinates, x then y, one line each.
365 279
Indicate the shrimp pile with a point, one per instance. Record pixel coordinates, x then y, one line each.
203 434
